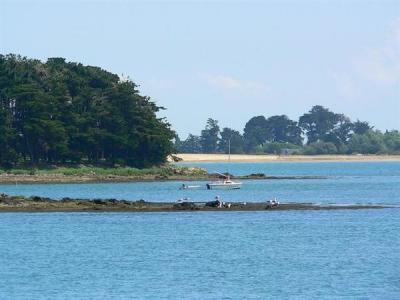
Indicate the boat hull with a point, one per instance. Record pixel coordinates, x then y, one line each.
223 186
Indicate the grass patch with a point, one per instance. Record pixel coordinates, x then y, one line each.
164 171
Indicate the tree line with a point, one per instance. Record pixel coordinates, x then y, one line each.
63 112
319 131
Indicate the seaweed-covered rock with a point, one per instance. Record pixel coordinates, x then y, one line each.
99 201
215 203
37 199
185 206
66 199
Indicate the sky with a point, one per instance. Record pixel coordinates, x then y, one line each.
228 60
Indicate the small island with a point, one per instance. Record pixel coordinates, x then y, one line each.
43 204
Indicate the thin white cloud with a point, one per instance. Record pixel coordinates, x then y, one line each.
382 65
227 83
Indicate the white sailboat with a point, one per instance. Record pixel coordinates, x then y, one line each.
227 183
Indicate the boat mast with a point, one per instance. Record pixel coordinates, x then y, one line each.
229 157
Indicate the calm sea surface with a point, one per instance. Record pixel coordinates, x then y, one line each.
372 182
207 255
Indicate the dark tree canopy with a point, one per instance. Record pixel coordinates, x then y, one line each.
210 136
361 127
283 130
232 137
255 132
327 133
57 112
191 145
318 123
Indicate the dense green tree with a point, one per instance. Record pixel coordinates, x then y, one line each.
341 133
210 136
283 130
319 148
255 133
392 141
8 155
191 145
361 127
280 148
60 112
233 137
372 142
318 123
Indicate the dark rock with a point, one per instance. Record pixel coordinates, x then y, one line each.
257 175
99 201
66 199
215 203
37 199
185 206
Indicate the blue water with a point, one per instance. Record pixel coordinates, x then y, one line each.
348 254
371 182
238 255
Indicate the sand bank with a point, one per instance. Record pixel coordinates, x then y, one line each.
284 158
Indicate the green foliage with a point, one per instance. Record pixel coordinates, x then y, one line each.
210 136
372 142
392 141
361 127
281 148
275 129
232 137
169 170
327 133
319 148
318 124
283 130
255 133
58 112
191 145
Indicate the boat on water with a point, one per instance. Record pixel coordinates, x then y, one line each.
227 183
189 187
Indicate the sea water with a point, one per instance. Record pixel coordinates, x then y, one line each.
204 255
344 183
345 254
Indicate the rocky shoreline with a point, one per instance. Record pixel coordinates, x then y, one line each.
42 204
93 178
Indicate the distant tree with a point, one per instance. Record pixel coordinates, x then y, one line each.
392 141
361 127
256 133
371 142
236 141
210 137
177 142
280 148
318 123
191 145
341 133
283 130
319 148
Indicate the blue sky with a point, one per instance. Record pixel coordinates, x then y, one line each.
229 60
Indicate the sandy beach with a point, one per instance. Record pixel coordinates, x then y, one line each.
282 158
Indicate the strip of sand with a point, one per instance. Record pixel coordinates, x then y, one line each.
186 157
